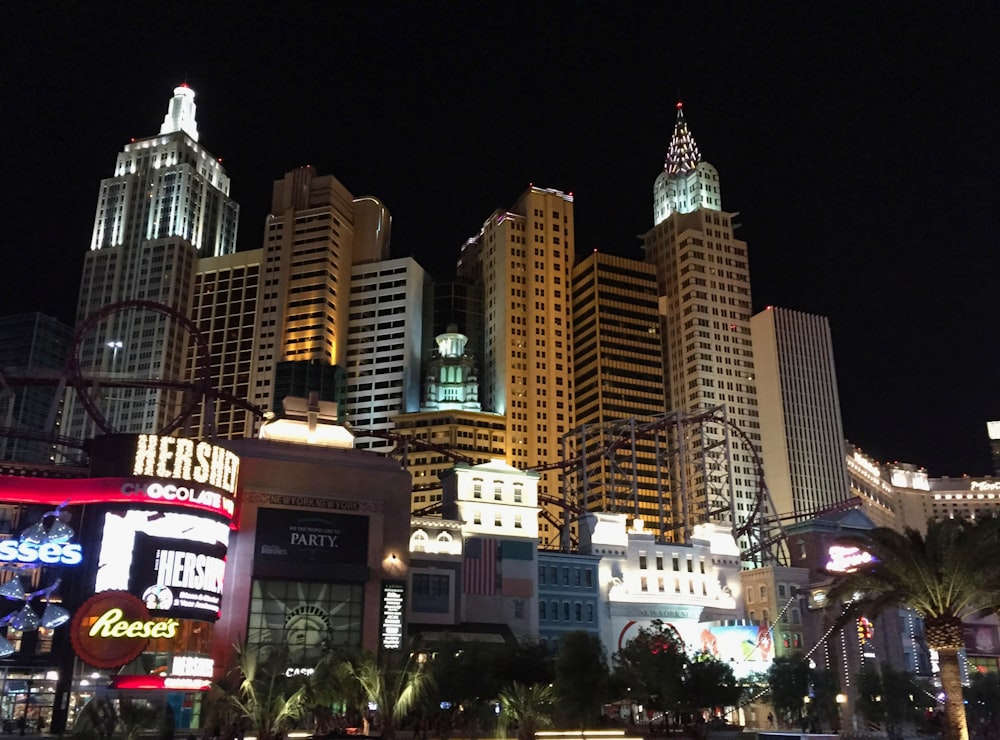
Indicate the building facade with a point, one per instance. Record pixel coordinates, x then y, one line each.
618 361
703 280
386 337
166 206
802 436
521 259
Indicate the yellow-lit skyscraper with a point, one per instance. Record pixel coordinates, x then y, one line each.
618 360
703 280
522 259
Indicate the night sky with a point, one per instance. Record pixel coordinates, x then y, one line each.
857 141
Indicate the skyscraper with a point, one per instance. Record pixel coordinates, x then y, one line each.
704 286
37 344
802 436
315 233
166 205
522 258
618 359
386 337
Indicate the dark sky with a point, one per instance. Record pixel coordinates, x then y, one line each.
857 141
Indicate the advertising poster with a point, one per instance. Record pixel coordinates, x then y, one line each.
313 541
173 562
980 639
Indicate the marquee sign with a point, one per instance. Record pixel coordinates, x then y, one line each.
392 615
112 628
183 459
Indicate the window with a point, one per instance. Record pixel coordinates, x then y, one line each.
763 593
659 562
578 611
497 520
541 610
565 611
588 578
642 561
565 577
541 575
590 612
676 563
781 590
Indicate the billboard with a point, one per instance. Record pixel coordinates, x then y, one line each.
173 561
314 541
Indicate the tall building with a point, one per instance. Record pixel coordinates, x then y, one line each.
802 436
315 233
226 297
993 432
704 285
166 206
522 258
36 344
618 359
386 337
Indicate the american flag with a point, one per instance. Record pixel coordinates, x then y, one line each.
480 566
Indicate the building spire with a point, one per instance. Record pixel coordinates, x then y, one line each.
683 156
180 113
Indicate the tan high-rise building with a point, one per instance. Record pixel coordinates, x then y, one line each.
314 234
618 360
522 259
802 436
704 284
226 297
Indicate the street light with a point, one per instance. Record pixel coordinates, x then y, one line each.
115 345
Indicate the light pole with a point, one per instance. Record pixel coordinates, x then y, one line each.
115 345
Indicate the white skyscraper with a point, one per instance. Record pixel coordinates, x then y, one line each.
802 436
166 206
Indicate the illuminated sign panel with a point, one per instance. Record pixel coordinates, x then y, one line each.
195 497
13 551
392 615
843 559
310 539
113 627
184 459
173 561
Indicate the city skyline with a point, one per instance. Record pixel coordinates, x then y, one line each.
836 136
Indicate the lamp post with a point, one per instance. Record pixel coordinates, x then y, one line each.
115 345
841 701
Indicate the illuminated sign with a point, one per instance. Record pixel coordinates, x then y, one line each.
12 551
984 485
114 627
184 459
392 616
192 665
196 497
174 561
113 624
843 559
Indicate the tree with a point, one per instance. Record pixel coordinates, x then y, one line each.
263 695
652 665
395 684
788 679
526 708
709 683
581 682
946 576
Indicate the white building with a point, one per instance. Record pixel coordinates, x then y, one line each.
166 206
497 505
694 588
802 436
385 345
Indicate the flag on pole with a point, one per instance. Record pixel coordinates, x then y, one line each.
480 566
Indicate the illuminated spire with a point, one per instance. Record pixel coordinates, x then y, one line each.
180 113
683 156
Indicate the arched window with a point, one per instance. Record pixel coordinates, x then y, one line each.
418 541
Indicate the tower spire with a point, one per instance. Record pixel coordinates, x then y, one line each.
181 112
683 155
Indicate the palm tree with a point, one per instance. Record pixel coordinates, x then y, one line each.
946 576
395 686
264 696
527 708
